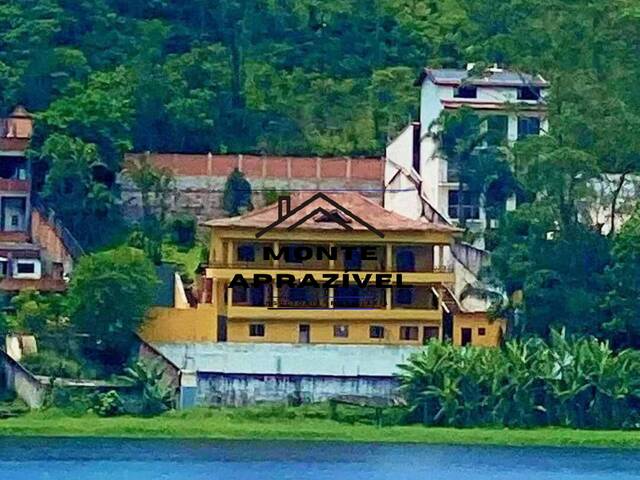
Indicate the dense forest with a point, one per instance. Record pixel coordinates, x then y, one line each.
336 77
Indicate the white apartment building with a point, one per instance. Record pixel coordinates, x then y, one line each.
418 180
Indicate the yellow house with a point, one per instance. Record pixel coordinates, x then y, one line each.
334 269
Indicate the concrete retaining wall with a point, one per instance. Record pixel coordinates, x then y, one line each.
239 390
18 379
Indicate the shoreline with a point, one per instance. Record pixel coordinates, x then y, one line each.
228 425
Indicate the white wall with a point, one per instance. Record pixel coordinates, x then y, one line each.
287 359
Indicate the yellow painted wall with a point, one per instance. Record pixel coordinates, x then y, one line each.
181 325
278 331
493 329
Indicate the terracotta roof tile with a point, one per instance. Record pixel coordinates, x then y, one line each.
361 206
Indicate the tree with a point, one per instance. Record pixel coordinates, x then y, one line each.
237 194
85 205
484 172
109 295
624 283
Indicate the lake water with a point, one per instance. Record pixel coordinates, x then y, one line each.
88 459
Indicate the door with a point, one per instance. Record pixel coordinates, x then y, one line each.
222 328
304 333
465 337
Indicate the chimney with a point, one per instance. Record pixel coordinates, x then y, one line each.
284 206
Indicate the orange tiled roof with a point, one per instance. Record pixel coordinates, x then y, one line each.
361 206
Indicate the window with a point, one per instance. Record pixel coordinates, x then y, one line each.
256 330
24 267
353 259
528 93
240 295
465 91
464 204
528 126
482 331
405 260
497 128
254 297
408 333
404 296
376 331
431 332
246 253
341 331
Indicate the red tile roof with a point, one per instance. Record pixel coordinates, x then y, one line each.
361 206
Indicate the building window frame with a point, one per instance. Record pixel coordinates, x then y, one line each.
465 91
430 332
257 329
463 204
409 333
528 126
341 331
529 93
376 332
246 253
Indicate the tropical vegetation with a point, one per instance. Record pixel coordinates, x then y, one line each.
579 383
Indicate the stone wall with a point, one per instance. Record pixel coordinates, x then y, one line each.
239 390
200 179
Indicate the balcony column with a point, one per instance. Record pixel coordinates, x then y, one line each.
230 255
388 297
332 262
276 249
331 291
389 258
229 297
214 291
440 262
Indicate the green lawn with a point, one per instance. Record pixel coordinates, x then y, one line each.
253 424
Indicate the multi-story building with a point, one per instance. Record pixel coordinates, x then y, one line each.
412 255
35 250
418 179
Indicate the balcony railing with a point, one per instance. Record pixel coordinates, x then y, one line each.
335 268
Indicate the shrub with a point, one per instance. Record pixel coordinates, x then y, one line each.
73 401
183 228
157 393
579 383
52 364
108 404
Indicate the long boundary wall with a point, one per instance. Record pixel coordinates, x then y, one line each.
200 179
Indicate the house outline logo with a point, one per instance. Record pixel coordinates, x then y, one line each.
285 212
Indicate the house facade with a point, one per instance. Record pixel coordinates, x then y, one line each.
36 251
417 176
395 293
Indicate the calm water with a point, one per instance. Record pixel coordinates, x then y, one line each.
89 459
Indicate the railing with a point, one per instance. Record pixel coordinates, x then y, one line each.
67 238
335 268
